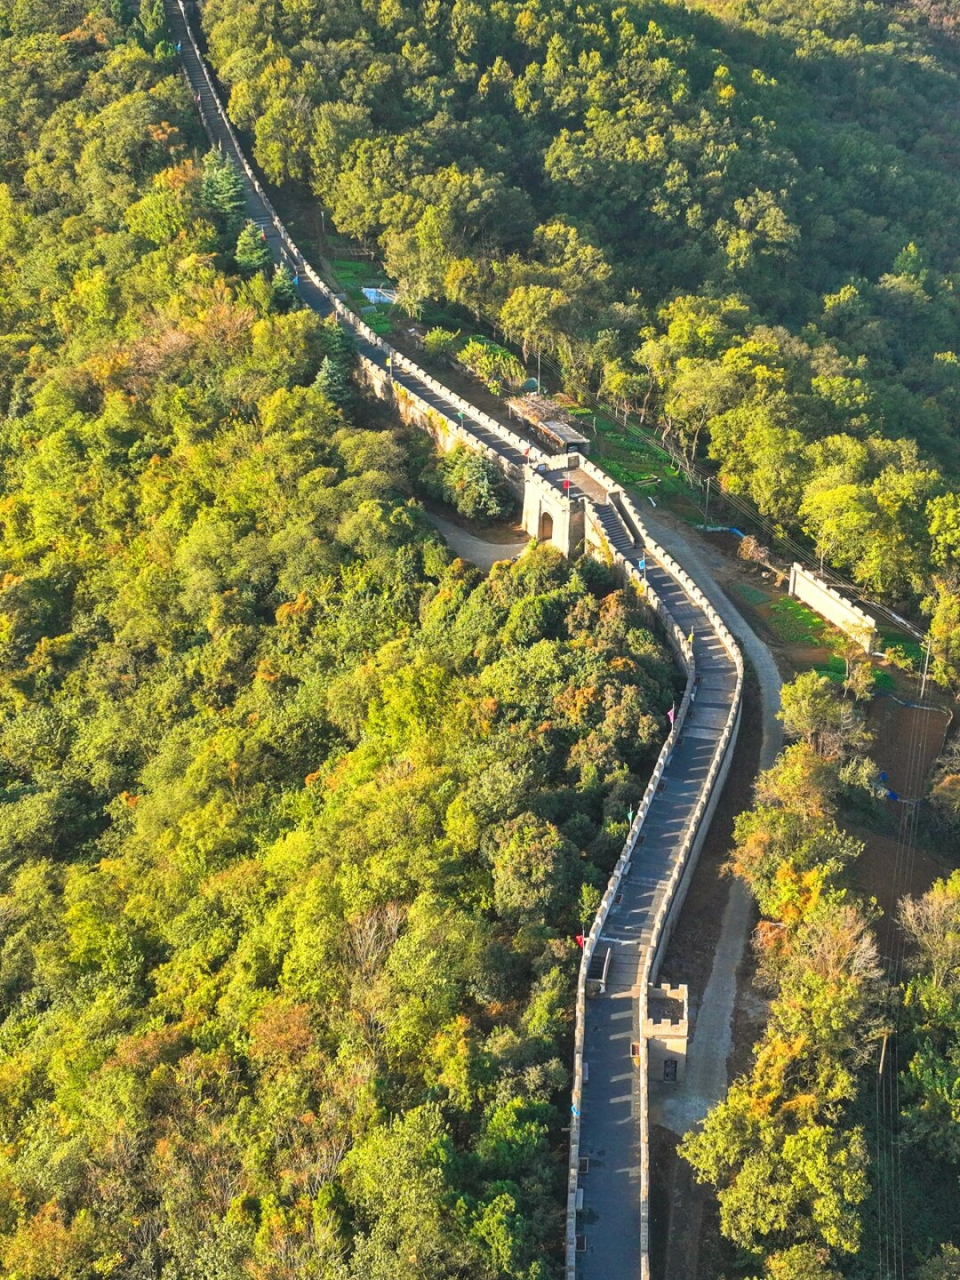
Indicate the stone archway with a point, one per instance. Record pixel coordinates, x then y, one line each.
545 532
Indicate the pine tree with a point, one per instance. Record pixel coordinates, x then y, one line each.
339 343
222 193
252 253
153 19
333 381
285 296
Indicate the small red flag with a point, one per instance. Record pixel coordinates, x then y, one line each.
566 484
579 940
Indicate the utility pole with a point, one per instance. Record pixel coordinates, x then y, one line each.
706 505
926 665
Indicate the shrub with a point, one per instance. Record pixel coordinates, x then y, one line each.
475 485
439 342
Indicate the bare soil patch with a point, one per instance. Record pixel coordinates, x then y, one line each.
907 741
887 870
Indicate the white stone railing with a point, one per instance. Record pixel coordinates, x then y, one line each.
398 361
671 899
533 454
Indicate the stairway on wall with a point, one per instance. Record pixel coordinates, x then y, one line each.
610 1139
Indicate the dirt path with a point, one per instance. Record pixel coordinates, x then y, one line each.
482 547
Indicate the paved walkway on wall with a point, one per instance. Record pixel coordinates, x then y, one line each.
610 1132
287 251
680 1107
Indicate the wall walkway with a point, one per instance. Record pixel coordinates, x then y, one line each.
608 1207
609 1124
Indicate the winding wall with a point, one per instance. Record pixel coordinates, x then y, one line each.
609 1125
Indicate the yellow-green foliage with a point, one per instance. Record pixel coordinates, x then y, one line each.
295 813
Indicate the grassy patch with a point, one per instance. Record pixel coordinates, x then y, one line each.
632 459
883 681
435 317
379 322
357 272
751 595
794 623
892 639
625 474
834 669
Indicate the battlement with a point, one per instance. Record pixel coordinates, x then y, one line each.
666 1029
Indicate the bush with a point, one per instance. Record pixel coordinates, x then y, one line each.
438 342
474 485
493 365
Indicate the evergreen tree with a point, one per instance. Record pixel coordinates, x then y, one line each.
285 296
152 19
333 381
252 253
222 193
339 343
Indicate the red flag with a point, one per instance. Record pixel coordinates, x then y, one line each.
566 484
579 940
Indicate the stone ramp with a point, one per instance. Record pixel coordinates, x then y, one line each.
609 1224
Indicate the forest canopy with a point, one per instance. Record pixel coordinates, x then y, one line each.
299 817
737 219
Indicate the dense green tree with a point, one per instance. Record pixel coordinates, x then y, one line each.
789 1164
752 251
252 252
222 191
932 923
283 289
472 483
295 812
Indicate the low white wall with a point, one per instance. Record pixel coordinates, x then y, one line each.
830 604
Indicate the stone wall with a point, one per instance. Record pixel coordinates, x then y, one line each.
830 604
